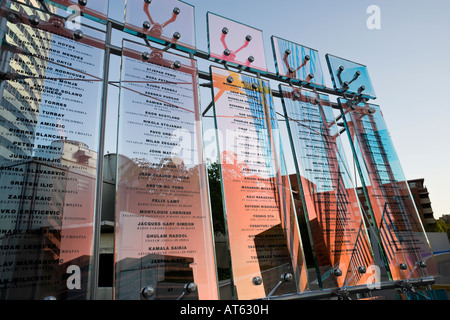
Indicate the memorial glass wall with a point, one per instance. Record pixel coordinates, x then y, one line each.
55 62
264 238
163 222
342 248
392 207
49 137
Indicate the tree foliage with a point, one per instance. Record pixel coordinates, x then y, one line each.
215 190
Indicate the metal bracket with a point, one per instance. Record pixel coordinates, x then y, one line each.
286 277
408 287
147 292
342 294
188 289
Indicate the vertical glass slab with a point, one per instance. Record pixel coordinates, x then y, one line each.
164 237
235 43
162 21
297 62
392 207
342 247
264 237
96 10
51 85
349 76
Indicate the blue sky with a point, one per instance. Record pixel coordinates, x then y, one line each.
408 60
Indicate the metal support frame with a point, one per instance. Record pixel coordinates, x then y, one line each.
101 150
268 75
345 292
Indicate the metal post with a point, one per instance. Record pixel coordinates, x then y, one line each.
101 151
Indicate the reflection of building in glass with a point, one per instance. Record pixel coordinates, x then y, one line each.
70 154
321 250
46 229
166 274
274 259
19 102
338 234
159 228
47 183
421 199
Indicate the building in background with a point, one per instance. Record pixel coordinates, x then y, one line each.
422 200
419 193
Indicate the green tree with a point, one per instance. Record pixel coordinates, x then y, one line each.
215 190
440 226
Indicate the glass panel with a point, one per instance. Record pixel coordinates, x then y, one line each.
264 237
163 224
236 43
392 207
297 62
342 247
49 115
92 9
163 21
350 77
